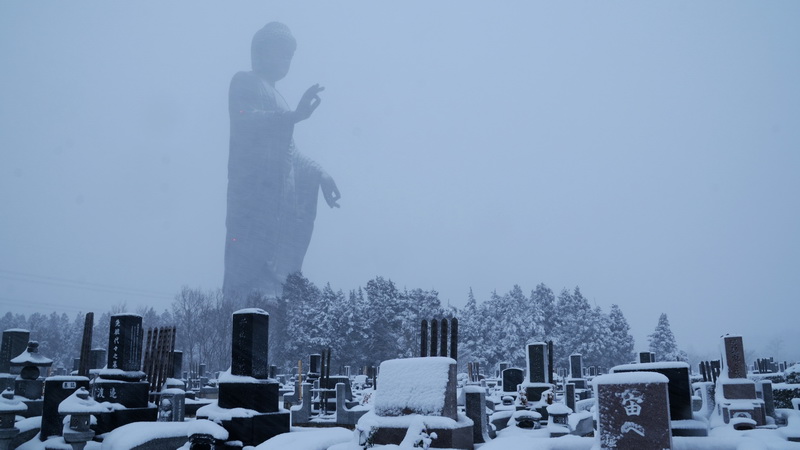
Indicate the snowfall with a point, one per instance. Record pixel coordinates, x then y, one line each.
418 384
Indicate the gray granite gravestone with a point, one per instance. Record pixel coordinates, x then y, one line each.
633 411
739 399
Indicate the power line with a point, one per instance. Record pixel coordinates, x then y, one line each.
84 285
32 304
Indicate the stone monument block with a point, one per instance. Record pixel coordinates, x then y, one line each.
734 357
633 410
125 343
680 387
250 343
56 390
14 342
512 378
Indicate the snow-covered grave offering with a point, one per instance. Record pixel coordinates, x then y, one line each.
633 411
413 390
248 405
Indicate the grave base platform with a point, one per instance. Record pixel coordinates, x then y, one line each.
111 420
130 394
533 391
452 438
689 428
257 429
262 397
35 408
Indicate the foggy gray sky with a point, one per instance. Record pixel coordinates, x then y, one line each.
647 152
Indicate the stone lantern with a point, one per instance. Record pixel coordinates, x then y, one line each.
9 407
29 383
80 407
558 419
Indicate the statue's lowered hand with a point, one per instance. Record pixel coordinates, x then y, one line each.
308 103
330 191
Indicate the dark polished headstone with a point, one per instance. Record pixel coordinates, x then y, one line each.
475 409
131 394
633 411
125 343
443 335
315 365
512 378
423 338
56 390
14 342
537 362
249 346
569 396
254 430
97 358
576 365
177 364
768 397
680 386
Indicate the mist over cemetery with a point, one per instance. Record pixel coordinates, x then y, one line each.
380 367
639 152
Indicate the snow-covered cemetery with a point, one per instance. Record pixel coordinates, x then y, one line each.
578 222
457 380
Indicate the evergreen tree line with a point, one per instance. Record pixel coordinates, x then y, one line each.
370 324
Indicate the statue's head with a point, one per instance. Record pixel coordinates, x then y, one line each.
272 50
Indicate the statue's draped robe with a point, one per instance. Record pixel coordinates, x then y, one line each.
272 191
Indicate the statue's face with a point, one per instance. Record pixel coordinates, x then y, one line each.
274 61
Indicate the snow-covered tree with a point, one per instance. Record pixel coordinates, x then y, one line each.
662 342
620 349
544 303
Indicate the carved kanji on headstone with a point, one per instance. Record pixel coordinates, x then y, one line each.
633 411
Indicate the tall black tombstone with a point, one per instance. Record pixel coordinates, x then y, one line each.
576 370
537 382
177 364
248 385
122 380
14 342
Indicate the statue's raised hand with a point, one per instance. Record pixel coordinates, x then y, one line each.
308 103
330 191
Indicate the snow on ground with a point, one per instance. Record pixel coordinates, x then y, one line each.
308 439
